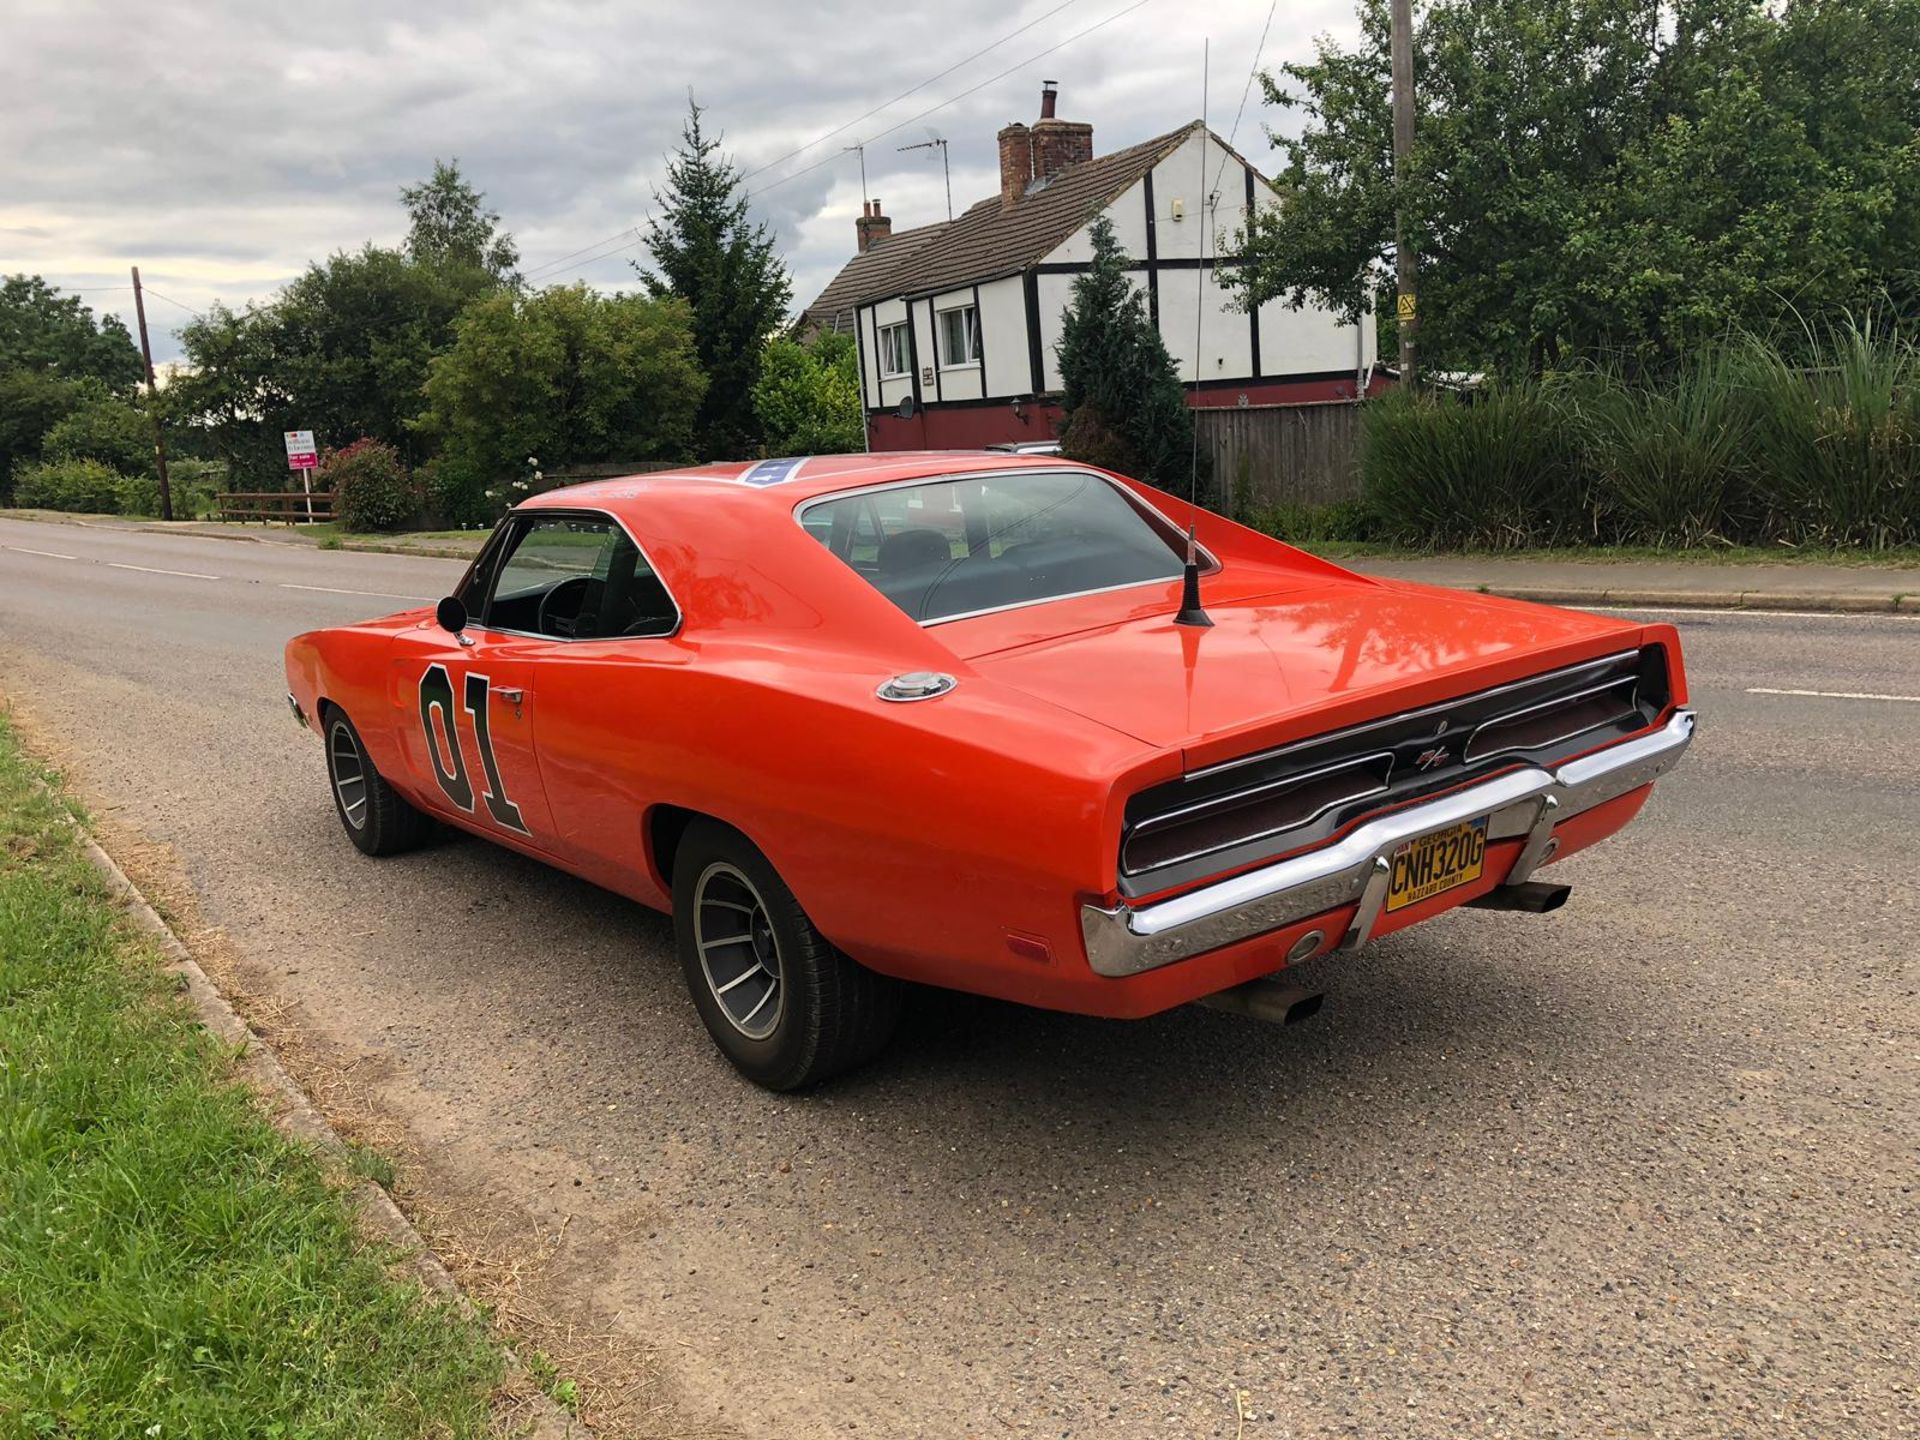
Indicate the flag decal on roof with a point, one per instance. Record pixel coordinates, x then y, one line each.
773 472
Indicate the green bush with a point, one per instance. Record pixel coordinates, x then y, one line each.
194 484
372 489
1503 469
84 487
1346 520
105 428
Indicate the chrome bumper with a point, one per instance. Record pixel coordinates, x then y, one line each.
1129 939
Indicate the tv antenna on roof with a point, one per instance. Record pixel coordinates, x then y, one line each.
861 151
936 143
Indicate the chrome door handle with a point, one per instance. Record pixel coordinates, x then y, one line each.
512 694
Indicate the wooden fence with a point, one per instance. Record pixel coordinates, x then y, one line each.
1284 454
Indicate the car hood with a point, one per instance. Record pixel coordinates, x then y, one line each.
1280 667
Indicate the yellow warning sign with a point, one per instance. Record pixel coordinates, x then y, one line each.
1409 306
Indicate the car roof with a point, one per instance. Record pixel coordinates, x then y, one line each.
785 482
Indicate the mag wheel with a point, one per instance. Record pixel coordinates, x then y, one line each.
785 1006
376 819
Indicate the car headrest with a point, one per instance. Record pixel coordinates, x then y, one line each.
913 549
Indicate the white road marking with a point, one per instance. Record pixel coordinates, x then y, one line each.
1752 612
46 554
150 570
371 594
1832 694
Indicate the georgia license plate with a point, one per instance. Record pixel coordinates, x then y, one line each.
1435 863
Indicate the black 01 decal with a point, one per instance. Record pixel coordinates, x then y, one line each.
503 810
436 693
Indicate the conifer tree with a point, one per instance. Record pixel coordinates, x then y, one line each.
1126 409
707 252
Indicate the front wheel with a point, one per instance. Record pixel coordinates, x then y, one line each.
787 1008
371 811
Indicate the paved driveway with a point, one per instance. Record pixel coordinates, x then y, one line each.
1646 1166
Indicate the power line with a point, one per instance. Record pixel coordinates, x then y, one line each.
957 65
972 89
171 301
552 265
621 235
1245 91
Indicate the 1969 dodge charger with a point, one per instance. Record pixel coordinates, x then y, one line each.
1000 723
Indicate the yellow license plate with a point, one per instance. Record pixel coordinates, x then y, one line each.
1435 863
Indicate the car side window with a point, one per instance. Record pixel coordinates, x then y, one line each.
577 577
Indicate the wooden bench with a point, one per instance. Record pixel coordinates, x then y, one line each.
289 506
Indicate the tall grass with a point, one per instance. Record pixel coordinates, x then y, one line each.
1504 471
1744 444
1837 444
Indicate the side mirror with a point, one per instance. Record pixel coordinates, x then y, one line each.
451 615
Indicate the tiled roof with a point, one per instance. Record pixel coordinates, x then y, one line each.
865 277
986 241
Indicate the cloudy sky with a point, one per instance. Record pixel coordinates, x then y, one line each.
221 145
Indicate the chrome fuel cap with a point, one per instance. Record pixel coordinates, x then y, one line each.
916 685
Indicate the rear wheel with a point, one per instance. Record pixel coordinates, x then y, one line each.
787 1008
371 811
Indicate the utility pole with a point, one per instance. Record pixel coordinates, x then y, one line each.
153 400
1405 263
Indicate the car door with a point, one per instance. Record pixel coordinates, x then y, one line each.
470 703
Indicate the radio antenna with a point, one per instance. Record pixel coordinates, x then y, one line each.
1192 612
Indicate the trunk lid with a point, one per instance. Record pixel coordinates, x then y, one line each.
1279 667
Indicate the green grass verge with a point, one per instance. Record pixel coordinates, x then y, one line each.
170 1263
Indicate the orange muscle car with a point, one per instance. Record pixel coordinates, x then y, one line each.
1000 723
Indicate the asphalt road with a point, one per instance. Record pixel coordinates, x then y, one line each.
1643 1167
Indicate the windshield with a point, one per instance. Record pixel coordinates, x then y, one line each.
958 547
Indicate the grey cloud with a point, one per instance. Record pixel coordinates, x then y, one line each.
222 144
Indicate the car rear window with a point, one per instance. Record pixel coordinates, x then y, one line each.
941 549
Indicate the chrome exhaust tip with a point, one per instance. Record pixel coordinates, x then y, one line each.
1267 999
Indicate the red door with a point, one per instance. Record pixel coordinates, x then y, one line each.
465 718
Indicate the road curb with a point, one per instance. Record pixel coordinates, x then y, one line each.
1759 601
298 1116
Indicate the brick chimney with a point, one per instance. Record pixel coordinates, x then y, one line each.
1016 163
872 227
1058 143
1044 151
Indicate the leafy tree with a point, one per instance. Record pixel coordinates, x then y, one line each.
43 331
452 226
231 395
343 350
1125 407
807 399
707 252
54 358
1614 178
557 378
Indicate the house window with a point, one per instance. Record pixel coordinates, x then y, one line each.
960 336
895 353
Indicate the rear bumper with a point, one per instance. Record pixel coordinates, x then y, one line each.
1354 870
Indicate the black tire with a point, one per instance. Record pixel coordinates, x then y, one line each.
371 811
829 1012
